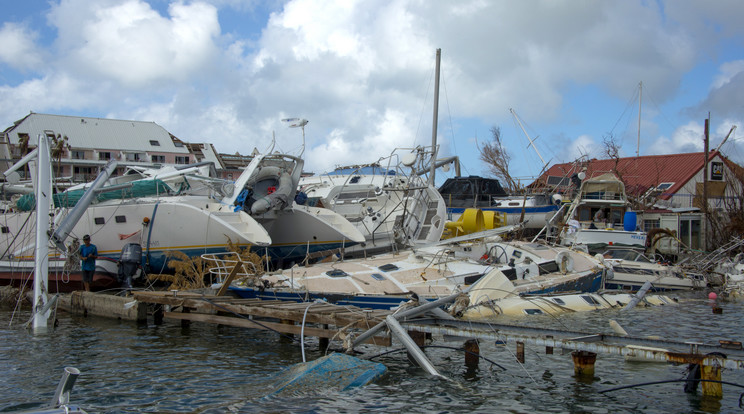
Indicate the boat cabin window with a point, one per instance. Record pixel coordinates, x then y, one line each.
5 229
377 276
388 267
533 311
559 301
590 300
99 220
585 214
337 273
121 219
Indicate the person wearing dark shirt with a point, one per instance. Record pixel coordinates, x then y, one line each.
88 255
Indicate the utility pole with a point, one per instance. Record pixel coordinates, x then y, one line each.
640 99
705 171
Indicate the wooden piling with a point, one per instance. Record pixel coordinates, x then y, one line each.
584 363
287 337
520 352
472 353
549 349
157 314
323 342
185 323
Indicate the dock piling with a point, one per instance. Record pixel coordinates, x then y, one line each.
472 353
584 363
520 352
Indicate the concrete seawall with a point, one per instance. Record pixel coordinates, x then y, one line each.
109 306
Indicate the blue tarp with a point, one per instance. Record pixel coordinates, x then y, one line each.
336 371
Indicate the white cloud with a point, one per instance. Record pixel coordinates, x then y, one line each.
727 71
18 47
131 43
361 72
686 138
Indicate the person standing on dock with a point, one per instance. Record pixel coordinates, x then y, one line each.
88 254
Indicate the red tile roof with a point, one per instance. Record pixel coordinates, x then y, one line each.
640 173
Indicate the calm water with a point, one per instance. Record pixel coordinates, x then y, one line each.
211 369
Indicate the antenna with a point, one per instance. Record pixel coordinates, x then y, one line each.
298 123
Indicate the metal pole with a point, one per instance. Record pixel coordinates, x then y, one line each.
435 121
43 201
640 98
418 355
411 312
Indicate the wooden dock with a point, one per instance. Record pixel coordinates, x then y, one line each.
322 320
411 326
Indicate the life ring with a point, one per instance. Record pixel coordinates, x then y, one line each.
266 199
565 262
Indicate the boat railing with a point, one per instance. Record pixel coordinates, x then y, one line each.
224 264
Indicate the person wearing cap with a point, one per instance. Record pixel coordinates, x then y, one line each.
88 255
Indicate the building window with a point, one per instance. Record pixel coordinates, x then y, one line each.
77 155
83 170
651 224
104 156
134 156
154 143
158 158
178 144
182 160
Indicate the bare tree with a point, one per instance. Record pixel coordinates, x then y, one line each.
494 154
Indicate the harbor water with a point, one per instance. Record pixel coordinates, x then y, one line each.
127 367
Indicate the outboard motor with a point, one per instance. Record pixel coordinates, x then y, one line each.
129 264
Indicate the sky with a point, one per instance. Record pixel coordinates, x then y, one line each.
573 73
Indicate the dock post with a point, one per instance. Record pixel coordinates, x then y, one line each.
549 349
520 352
584 363
287 337
323 342
713 373
472 353
185 323
157 314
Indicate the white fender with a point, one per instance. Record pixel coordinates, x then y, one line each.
565 262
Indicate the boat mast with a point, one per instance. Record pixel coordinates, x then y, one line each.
43 201
532 143
433 166
640 98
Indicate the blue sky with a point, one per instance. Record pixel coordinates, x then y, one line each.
227 72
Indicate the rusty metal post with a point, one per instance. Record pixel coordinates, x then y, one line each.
549 349
520 352
584 363
713 373
472 352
